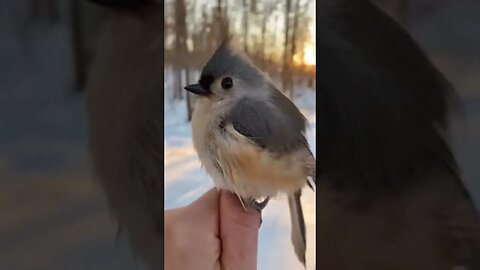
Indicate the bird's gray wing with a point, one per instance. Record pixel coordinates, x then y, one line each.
276 125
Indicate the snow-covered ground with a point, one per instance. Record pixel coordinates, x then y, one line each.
185 181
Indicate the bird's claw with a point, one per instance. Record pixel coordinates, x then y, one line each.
258 206
252 203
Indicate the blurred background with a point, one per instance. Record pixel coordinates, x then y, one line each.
53 215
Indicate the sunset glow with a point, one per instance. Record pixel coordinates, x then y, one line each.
309 57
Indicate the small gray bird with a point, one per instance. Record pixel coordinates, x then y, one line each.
250 137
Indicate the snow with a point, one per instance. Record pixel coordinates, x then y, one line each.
185 181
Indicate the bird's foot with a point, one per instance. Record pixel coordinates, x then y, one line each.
252 203
258 206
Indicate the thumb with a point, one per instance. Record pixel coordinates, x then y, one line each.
238 233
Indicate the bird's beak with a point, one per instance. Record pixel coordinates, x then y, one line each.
197 89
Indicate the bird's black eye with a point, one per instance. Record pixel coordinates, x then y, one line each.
227 83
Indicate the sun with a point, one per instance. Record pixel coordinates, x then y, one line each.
309 56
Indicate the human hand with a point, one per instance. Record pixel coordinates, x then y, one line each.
214 232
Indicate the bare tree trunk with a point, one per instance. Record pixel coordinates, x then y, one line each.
218 17
262 51
188 72
273 41
225 15
245 25
310 81
222 22
225 19
189 106
189 97
293 45
203 35
253 6
286 60
178 81
180 44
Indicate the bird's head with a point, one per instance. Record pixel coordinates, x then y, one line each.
229 74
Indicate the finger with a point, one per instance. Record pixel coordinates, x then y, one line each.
208 199
239 234
205 210
192 234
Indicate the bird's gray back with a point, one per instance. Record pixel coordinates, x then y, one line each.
274 123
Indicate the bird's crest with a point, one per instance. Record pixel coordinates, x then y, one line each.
229 59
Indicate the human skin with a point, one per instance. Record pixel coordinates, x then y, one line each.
212 233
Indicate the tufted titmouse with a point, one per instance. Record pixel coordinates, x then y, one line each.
250 137
389 191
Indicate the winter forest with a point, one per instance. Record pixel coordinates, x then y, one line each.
53 214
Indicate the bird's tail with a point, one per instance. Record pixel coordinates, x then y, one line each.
298 225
